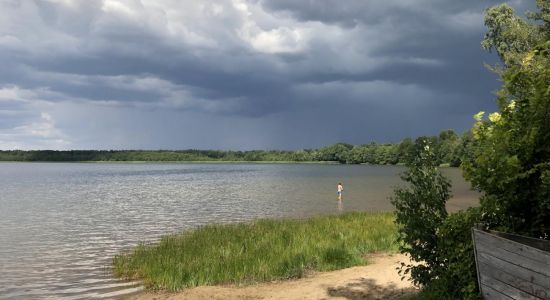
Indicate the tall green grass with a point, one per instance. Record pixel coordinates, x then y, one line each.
261 250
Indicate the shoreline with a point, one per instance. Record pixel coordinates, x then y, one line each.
183 162
376 280
250 162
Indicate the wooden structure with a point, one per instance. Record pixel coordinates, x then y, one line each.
511 266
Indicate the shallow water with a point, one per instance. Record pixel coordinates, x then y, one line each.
61 223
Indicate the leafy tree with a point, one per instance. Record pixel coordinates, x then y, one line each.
337 152
420 212
509 35
447 143
405 149
357 155
370 153
510 156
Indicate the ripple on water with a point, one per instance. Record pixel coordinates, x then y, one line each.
63 223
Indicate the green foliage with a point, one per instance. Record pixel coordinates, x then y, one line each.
458 280
158 155
440 246
259 251
507 34
509 158
446 146
447 152
420 212
543 18
505 156
338 152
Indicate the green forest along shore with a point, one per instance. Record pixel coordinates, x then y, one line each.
448 146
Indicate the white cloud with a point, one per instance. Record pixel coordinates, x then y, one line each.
421 61
119 8
38 134
280 40
13 93
44 128
10 42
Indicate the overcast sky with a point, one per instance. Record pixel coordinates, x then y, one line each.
258 74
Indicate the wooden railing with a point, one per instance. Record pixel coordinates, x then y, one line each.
511 266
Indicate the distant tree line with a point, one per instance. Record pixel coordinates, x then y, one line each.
449 148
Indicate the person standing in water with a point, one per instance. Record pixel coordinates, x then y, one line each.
340 189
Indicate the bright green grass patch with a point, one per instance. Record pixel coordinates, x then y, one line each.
262 250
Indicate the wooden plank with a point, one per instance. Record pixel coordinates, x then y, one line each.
514 281
540 244
513 258
506 267
512 246
523 274
489 293
506 289
481 290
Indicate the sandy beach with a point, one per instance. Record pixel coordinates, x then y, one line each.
378 280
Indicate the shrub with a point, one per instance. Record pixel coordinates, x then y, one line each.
420 212
458 281
457 277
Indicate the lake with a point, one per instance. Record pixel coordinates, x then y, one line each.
61 223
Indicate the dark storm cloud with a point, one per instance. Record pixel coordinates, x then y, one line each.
443 34
272 71
402 12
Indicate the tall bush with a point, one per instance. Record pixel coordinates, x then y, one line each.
440 246
420 212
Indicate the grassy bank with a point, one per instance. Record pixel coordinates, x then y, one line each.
262 250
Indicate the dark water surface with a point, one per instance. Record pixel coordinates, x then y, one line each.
61 223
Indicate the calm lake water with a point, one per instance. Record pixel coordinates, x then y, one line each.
61 223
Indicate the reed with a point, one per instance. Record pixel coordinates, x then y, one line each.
258 251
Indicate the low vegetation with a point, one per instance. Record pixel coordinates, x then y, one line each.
258 251
448 147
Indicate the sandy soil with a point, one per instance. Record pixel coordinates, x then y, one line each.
378 280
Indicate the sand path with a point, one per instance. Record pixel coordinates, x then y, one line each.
378 280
